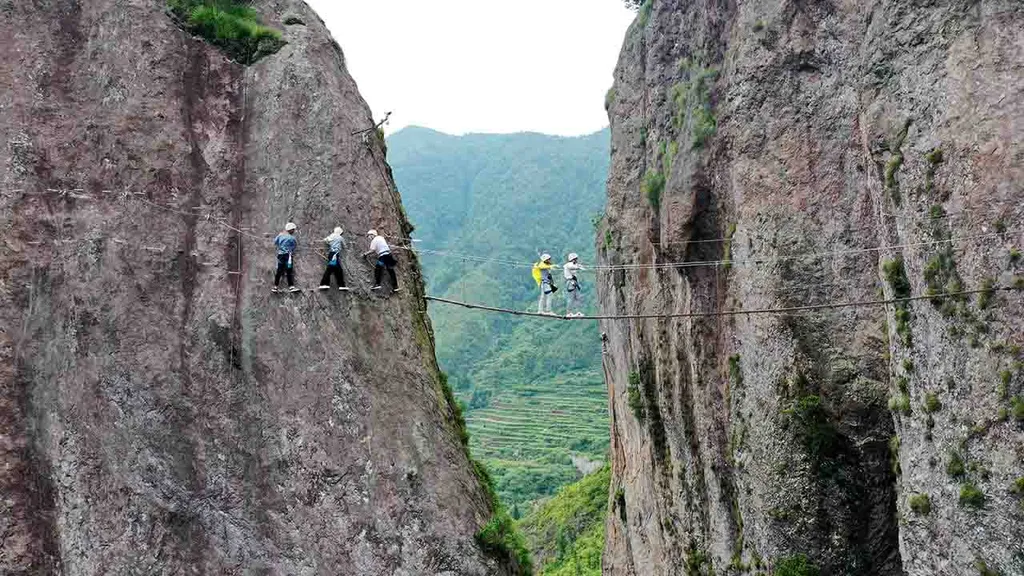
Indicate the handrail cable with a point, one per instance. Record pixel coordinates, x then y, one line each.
783 310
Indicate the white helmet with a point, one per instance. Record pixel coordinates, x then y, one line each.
573 256
371 232
338 231
545 257
290 226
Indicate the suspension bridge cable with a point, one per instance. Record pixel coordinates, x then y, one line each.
513 264
673 265
714 263
755 311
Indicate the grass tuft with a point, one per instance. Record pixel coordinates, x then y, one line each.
955 467
971 496
920 504
231 25
900 403
796 565
1017 408
1018 486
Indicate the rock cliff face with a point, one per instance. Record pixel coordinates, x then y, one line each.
160 411
804 153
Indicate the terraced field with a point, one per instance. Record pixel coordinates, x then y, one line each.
529 434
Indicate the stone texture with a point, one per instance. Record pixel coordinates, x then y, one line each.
160 411
751 438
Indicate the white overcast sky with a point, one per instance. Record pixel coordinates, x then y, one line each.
463 66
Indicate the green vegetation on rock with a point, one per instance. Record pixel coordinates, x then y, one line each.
692 97
1018 486
900 403
796 565
1017 407
985 570
566 532
653 185
634 397
232 25
813 426
920 503
955 467
896 275
971 496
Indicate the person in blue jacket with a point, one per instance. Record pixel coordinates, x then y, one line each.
285 244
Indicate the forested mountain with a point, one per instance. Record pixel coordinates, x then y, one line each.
533 388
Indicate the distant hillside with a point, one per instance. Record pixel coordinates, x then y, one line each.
533 387
566 532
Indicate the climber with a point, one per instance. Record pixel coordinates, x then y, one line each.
542 276
285 243
572 286
379 247
335 244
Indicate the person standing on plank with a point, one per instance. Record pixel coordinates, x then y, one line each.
542 276
335 244
285 244
573 297
379 247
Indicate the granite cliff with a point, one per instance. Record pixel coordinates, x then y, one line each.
781 154
160 411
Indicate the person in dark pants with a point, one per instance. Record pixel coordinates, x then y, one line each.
379 246
335 244
285 244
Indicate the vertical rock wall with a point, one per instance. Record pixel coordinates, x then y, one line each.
160 411
794 154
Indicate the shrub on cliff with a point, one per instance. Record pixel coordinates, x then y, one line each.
231 25
797 565
500 538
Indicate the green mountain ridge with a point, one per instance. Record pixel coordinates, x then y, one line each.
533 388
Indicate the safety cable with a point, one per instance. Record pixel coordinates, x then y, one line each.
523 265
724 262
784 310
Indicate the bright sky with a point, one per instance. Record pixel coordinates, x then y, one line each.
482 65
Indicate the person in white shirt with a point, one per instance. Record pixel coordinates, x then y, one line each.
573 298
379 247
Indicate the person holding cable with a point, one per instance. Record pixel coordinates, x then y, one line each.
335 244
285 244
379 247
573 296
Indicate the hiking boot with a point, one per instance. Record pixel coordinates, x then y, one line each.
343 288
377 287
294 289
324 287
274 290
